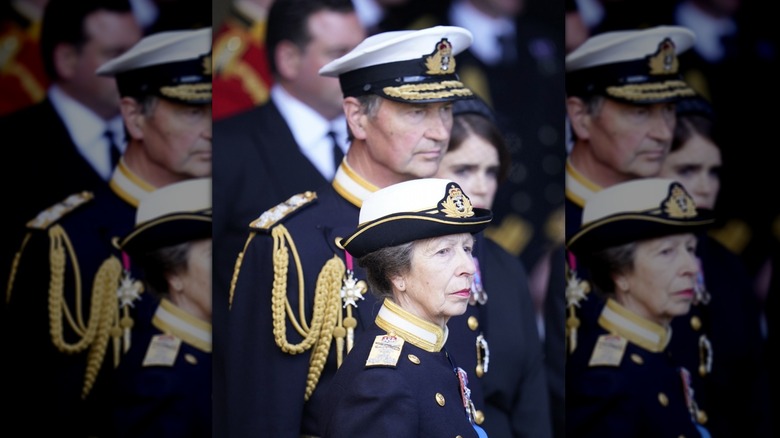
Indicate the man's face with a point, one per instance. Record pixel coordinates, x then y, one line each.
109 34
177 138
408 140
333 34
631 140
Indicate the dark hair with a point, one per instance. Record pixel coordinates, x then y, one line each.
157 264
467 123
385 263
695 116
288 20
603 264
63 23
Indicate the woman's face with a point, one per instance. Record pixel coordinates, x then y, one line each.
191 288
438 283
474 166
661 285
697 166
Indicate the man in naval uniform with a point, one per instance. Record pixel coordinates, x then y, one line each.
72 296
621 88
298 301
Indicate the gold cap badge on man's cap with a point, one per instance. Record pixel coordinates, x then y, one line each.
635 66
405 66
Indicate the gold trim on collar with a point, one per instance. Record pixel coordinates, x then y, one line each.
174 321
646 334
351 186
129 186
578 187
413 329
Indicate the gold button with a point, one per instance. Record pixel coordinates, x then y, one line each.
191 359
695 323
480 371
479 417
663 399
701 417
439 399
473 323
413 359
637 359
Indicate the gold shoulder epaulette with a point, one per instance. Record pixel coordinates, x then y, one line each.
276 214
57 211
609 351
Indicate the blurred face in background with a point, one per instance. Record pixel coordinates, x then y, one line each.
697 165
474 165
108 35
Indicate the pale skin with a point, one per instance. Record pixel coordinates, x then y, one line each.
474 165
438 284
190 288
619 142
402 141
696 165
168 143
109 34
333 34
661 284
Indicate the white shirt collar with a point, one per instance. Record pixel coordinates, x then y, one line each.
310 130
86 130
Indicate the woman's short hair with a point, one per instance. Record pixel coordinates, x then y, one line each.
603 265
384 264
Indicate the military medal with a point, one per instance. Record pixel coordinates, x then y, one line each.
483 356
576 290
351 292
465 394
477 293
701 294
129 290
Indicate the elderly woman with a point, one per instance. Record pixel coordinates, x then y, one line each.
638 241
163 383
415 240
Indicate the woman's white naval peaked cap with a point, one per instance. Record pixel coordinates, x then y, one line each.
634 66
173 214
172 64
405 66
414 210
640 209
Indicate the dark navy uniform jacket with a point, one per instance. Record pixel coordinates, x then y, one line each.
416 393
170 397
264 387
720 342
636 391
41 378
515 386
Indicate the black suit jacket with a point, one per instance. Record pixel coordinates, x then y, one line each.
43 167
256 164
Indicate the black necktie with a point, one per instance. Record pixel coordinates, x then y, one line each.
112 148
338 155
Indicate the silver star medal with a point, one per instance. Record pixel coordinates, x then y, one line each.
352 290
575 290
129 290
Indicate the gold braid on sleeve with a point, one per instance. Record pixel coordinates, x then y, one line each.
237 268
324 314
